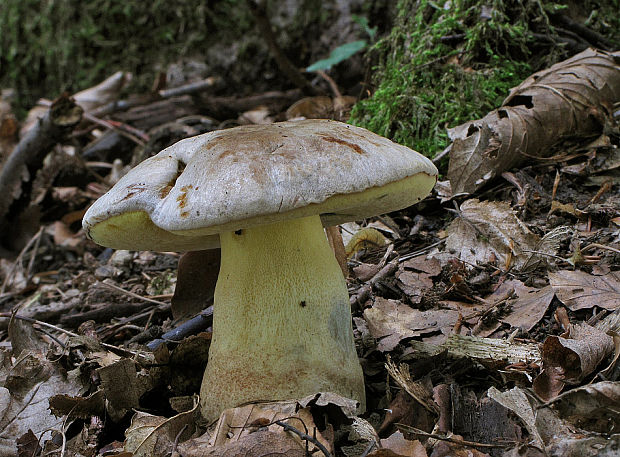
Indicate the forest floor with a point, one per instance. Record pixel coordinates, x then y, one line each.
486 324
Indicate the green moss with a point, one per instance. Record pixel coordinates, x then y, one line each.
50 46
441 67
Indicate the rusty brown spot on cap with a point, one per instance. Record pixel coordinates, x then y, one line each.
134 189
168 187
353 146
182 199
225 154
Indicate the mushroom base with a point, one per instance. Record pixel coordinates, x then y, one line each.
282 321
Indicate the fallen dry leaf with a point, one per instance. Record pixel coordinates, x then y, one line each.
431 266
568 99
30 381
579 290
391 321
594 407
569 360
397 443
154 436
196 277
529 307
489 229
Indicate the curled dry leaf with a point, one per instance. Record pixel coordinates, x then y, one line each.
569 360
579 290
365 238
572 98
487 229
593 407
251 430
154 436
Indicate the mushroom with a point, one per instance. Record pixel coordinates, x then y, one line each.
281 324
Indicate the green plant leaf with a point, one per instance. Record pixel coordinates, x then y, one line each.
362 21
338 55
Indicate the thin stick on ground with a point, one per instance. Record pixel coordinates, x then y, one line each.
131 294
415 431
305 437
125 352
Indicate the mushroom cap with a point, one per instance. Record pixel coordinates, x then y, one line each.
227 180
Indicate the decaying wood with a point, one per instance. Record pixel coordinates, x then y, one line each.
227 107
414 388
365 291
190 88
573 98
490 350
28 154
145 117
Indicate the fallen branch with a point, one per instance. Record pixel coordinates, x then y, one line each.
27 157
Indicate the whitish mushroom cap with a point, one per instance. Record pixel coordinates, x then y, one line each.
226 180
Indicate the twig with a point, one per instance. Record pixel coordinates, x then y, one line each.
411 255
131 294
442 154
194 325
332 84
33 256
190 88
364 292
29 153
591 246
134 134
177 438
370 447
415 431
71 334
19 258
305 437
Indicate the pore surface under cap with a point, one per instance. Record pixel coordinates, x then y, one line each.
259 174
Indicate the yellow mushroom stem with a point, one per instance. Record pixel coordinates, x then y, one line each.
282 321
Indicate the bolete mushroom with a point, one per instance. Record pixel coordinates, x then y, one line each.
282 324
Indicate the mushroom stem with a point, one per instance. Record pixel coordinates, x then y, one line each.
282 321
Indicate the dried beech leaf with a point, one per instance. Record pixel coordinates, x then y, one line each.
579 290
529 307
262 443
397 443
250 430
593 407
81 407
120 385
569 360
30 382
154 436
571 98
489 229
391 321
